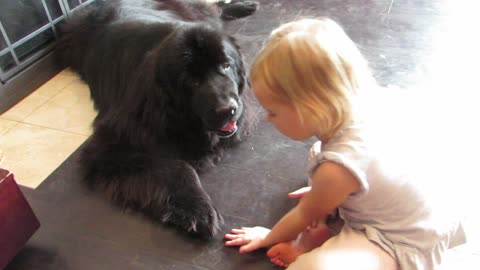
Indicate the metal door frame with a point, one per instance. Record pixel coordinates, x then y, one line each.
10 49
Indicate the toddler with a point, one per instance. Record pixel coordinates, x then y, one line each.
310 78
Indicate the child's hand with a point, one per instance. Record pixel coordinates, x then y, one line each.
249 239
299 192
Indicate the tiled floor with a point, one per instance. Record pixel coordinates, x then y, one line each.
408 43
42 130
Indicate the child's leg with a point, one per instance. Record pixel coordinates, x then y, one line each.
349 250
284 254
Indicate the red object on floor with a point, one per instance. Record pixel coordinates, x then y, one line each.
17 220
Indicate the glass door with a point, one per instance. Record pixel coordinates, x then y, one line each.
28 30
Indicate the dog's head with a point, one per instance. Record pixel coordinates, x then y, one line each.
207 77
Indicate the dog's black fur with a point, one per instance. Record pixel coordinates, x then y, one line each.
168 84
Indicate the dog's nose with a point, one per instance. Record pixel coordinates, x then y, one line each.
227 111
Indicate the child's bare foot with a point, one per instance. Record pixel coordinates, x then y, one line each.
283 254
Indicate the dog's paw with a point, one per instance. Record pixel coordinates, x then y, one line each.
201 219
207 224
238 9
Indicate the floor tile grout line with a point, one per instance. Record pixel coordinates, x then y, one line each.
46 101
63 88
52 96
37 107
7 119
41 104
56 129
11 128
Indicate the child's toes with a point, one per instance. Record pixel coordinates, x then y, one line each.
277 261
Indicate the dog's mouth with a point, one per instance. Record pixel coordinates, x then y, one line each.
228 130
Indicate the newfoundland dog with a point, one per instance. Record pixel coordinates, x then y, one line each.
168 84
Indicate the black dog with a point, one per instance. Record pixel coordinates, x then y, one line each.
168 84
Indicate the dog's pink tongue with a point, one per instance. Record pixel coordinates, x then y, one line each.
229 126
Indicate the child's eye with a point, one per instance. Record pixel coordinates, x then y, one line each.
270 114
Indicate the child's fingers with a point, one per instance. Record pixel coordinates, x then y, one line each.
232 236
299 192
248 247
238 231
237 242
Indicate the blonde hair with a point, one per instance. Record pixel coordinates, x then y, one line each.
315 66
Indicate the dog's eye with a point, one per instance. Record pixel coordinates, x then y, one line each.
226 66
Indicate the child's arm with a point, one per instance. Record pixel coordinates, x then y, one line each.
331 185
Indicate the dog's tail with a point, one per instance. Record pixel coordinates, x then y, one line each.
236 9
76 31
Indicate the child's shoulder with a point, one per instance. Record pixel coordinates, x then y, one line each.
346 153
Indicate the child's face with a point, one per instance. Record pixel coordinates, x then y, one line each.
284 117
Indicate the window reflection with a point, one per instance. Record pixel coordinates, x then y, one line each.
22 17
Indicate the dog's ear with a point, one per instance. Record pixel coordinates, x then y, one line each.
242 79
199 38
201 45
